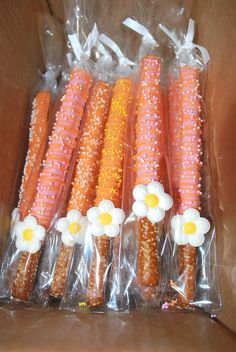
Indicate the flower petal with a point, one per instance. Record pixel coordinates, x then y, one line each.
196 240
139 208
93 214
155 214
176 223
39 232
112 230
166 201
179 237
80 238
106 206
21 245
203 225
191 214
33 246
140 192
30 221
118 215
97 229
62 224
155 187
67 239
74 215
19 228
83 228
83 223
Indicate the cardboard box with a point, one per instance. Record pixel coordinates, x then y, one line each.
35 330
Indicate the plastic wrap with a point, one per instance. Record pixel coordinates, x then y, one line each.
215 22
50 173
191 240
71 225
146 201
92 269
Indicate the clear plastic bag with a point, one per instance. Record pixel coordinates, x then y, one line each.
43 104
141 280
51 177
190 248
70 230
143 229
92 270
93 267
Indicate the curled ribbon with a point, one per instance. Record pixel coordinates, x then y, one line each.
188 41
123 61
105 60
85 51
139 28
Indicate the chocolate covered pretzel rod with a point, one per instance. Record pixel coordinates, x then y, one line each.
149 154
190 178
109 183
36 149
52 178
87 169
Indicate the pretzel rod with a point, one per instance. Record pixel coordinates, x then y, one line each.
109 182
148 159
87 169
37 137
190 178
53 176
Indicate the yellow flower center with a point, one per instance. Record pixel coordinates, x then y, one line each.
105 218
152 200
74 228
190 228
28 234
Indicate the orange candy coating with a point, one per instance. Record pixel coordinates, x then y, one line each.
37 142
87 169
109 182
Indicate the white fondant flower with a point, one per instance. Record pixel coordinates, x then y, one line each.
151 201
73 228
15 217
105 219
29 234
189 228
